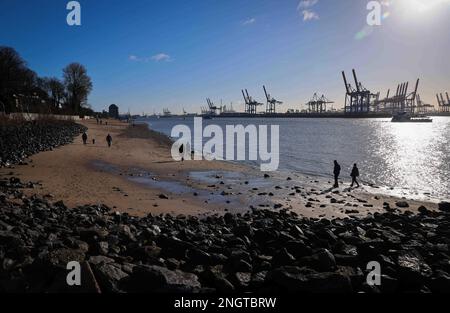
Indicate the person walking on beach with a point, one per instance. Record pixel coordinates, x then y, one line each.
84 137
354 175
109 140
336 172
181 150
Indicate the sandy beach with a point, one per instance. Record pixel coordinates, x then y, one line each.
137 175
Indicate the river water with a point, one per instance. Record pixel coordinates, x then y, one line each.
412 157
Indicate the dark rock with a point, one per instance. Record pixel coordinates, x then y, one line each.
172 264
215 277
423 210
160 279
257 279
8 238
402 204
98 259
298 248
440 283
283 257
388 284
102 247
229 218
241 279
444 206
243 230
323 260
149 252
411 267
61 257
109 276
242 266
198 256
294 280
92 234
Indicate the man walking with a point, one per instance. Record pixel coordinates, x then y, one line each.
84 137
109 140
336 172
354 175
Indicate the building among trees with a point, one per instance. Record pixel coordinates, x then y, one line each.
22 90
114 111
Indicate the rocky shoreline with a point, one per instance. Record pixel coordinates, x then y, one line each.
20 139
261 251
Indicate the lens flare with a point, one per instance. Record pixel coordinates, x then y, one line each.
368 30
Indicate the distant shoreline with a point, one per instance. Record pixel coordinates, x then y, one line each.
298 115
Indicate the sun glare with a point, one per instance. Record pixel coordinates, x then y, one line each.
421 6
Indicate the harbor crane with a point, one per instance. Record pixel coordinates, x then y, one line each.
251 105
212 108
422 107
271 102
356 100
402 101
444 107
318 104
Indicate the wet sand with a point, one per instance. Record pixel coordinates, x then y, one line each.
137 175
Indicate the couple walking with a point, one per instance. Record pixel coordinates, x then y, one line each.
85 138
354 174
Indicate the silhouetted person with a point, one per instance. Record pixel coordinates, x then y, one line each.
97 120
109 140
354 175
84 137
93 141
181 150
336 172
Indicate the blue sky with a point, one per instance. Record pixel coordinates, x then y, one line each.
146 55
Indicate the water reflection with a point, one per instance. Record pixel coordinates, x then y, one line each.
412 156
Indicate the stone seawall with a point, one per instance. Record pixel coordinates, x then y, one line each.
19 140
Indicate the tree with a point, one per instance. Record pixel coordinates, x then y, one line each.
16 78
78 86
20 88
56 92
23 90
